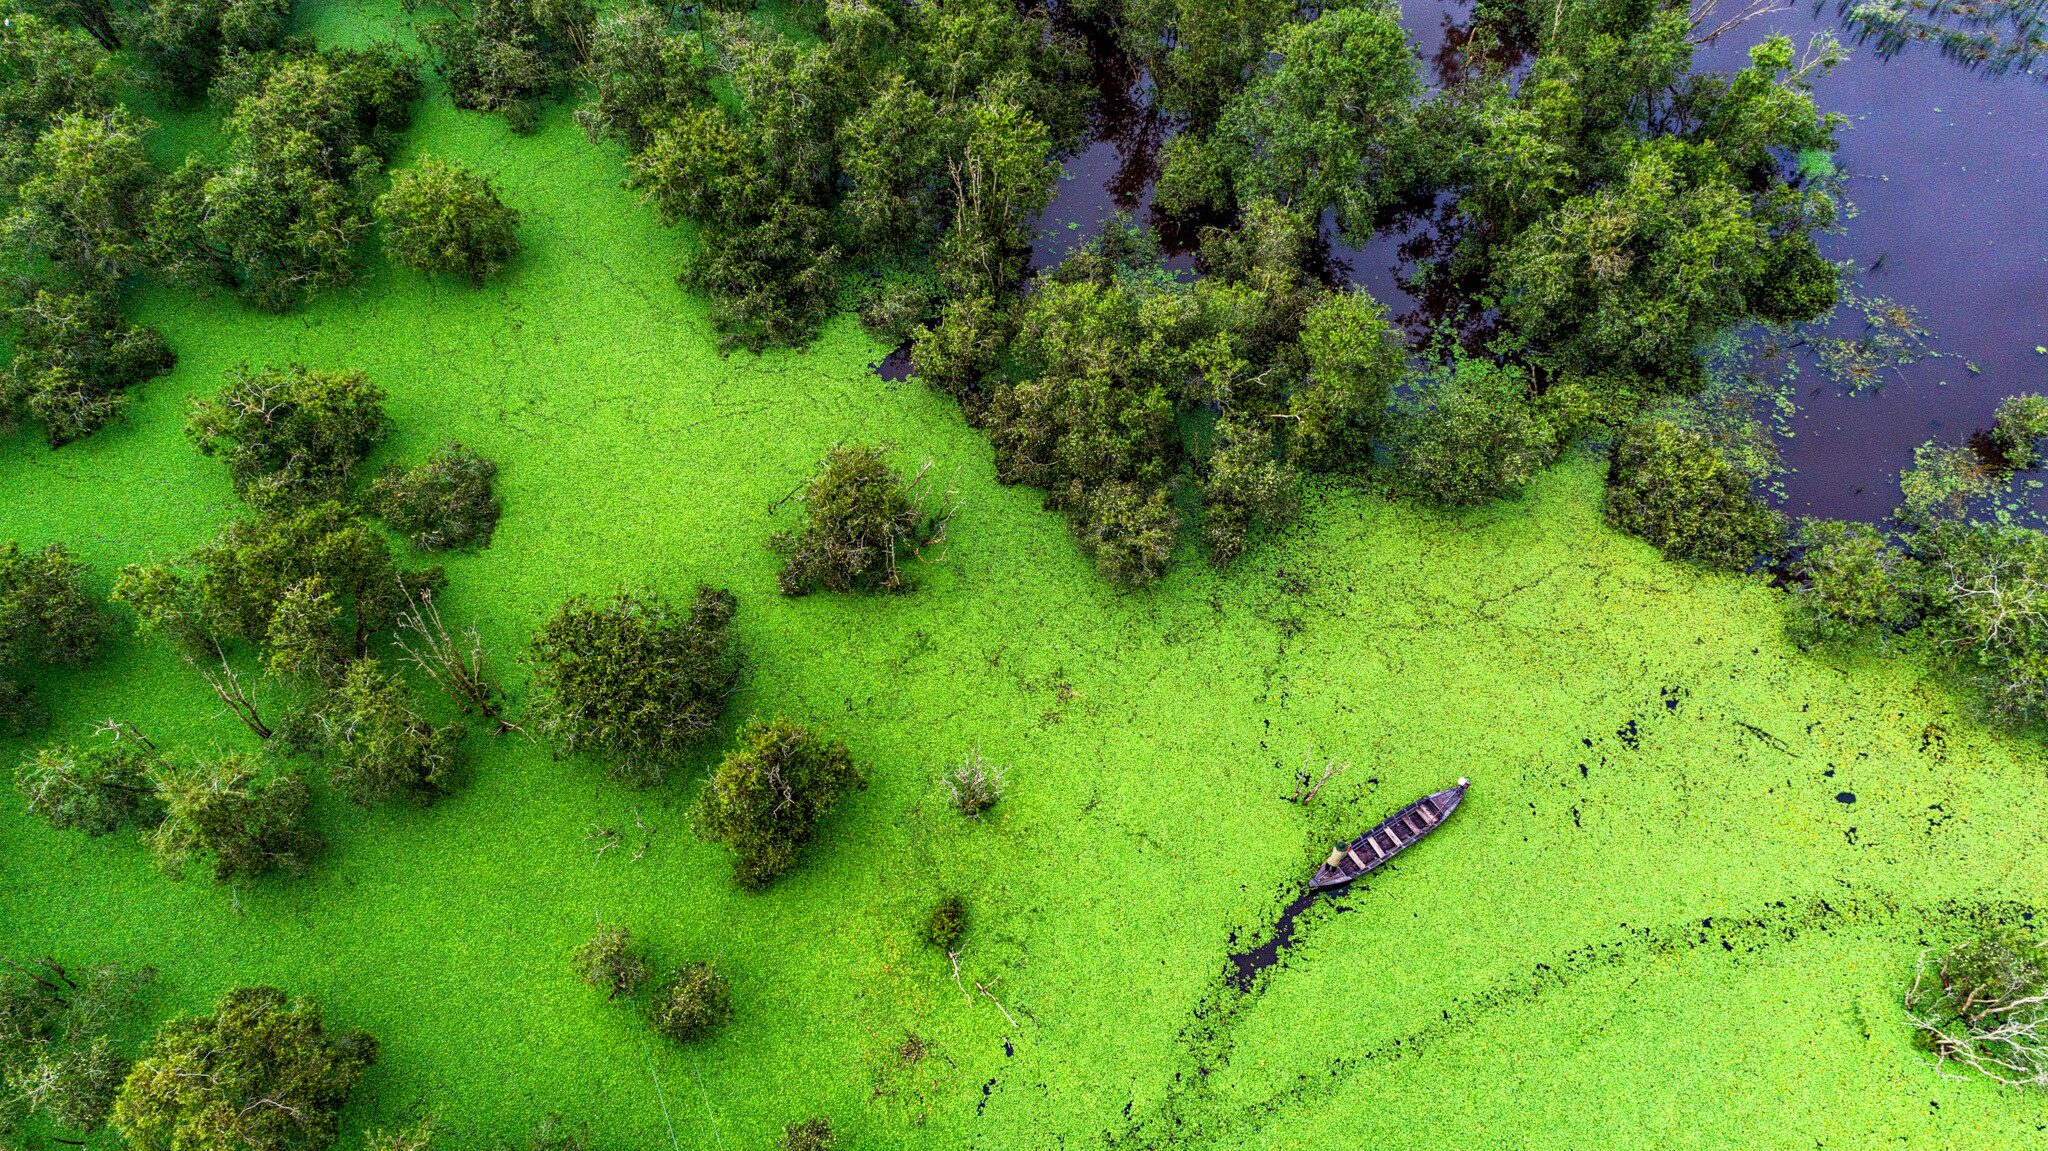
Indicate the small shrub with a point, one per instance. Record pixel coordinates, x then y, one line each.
442 504
1470 435
1986 590
691 1004
947 923
443 219
418 1137
504 56
609 963
2018 428
861 522
93 789
975 785
75 356
768 794
813 1134
1671 486
1854 582
46 617
1984 1005
634 678
382 749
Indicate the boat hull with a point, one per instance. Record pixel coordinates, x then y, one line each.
1394 835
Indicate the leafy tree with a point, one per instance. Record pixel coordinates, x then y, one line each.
441 218
240 823
46 617
1004 180
1355 360
83 206
1202 54
505 56
644 72
179 45
2019 427
765 800
608 962
1470 435
1328 124
380 748
290 436
1985 587
1672 486
442 504
634 679
75 356
1248 486
771 281
262 1073
813 1134
1942 483
285 217
1853 582
861 521
95 789
691 1004
46 72
964 348
58 1060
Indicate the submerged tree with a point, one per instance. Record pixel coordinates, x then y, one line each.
862 521
505 56
240 821
442 504
608 962
262 1073
75 357
59 1060
765 800
290 436
1673 487
1983 1005
634 679
691 1004
96 789
1471 435
379 747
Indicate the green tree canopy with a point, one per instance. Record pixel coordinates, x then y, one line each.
764 801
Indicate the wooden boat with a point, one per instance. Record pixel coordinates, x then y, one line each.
1389 839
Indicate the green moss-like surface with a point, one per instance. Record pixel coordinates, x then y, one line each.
1653 924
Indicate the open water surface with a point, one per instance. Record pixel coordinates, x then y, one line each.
1947 170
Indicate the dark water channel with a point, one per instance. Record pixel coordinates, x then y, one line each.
1948 173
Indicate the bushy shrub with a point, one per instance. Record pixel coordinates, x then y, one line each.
46 617
1355 360
862 522
2018 428
242 823
1942 483
765 800
975 785
1853 582
91 789
379 748
1671 486
75 357
1987 610
771 281
963 348
946 923
813 1134
1249 485
290 436
262 1073
83 207
444 503
441 218
608 962
1984 1005
1470 435
691 1004
504 56
634 679
179 44
58 1054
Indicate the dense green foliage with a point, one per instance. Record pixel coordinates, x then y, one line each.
238 819
1470 434
1853 582
290 436
946 924
284 218
691 1004
813 1134
74 358
58 1061
379 747
764 801
46 618
862 521
444 503
505 56
181 46
1984 1006
2019 427
442 218
262 1073
95 789
1672 486
634 679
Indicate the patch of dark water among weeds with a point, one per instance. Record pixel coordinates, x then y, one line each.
1246 965
895 366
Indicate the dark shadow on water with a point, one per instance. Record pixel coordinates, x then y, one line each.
895 366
